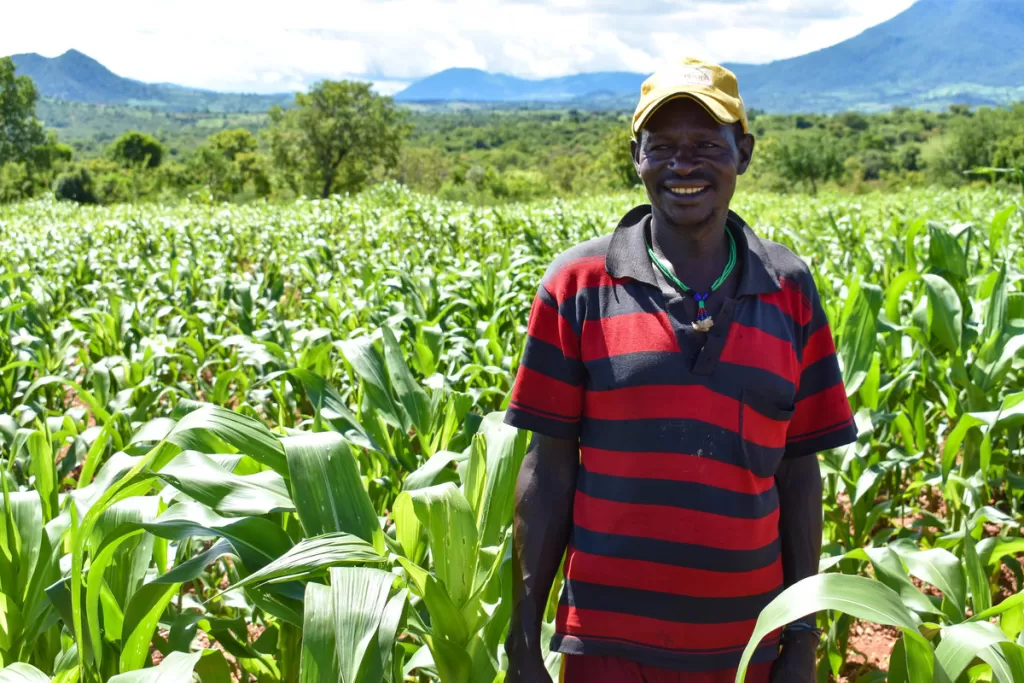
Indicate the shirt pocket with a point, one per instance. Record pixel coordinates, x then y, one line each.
763 424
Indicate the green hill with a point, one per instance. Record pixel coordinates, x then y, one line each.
77 77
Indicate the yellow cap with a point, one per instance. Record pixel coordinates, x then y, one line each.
711 85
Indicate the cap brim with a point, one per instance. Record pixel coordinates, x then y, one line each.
717 110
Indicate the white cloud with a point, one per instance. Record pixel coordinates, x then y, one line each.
272 46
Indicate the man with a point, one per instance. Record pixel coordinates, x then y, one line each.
679 377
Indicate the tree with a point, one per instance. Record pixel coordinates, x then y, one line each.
20 130
810 156
233 142
337 135
137 149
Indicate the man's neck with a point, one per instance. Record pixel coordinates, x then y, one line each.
697 253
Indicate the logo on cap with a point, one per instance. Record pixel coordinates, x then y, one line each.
694 75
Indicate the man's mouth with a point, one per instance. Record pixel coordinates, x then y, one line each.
688 191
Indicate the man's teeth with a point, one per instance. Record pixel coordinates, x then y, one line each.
685 190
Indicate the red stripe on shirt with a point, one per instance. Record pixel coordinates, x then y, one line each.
546 395
763 430
578 274
664 401
819 412
752 347
631 333
547 325
820 345
675 467
669 635
667 578
792 301
674 524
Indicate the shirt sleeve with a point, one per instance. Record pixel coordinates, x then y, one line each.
547 397
822 418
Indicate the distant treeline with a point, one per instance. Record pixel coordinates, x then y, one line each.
341 136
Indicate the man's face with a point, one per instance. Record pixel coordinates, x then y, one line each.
688 163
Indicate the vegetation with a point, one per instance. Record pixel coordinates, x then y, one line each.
489 156
239 441
334 138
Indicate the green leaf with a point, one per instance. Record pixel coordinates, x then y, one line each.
895 290
411 395
328 404
857 596
140 621
858 336
411 535
505 448
327 488
944 312
202 479
981 593
435 470
257 541
85 396
452 537
995 313
345 624
22 673
1004 606
312 556
938 567
945 252
997 229
208 429
889 570
369 366
45 472
962 643
177 667
956 439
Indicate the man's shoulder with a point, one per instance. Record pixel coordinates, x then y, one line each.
577 260
790 268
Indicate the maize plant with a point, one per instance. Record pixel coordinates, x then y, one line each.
264 443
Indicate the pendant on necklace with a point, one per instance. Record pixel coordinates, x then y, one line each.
704 322
703 325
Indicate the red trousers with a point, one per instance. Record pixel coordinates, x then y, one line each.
587 669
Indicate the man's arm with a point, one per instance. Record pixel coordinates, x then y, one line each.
798 481
540 532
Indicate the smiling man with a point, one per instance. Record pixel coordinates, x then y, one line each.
679 377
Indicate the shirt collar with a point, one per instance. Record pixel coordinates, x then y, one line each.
628 257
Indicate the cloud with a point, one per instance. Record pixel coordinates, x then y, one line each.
268 46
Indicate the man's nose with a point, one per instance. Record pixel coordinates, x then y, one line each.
683 163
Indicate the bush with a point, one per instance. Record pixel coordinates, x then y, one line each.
137 149
15 182
75 186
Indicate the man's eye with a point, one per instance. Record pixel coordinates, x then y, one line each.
706 145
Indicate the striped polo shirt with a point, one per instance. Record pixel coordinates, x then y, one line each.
675 546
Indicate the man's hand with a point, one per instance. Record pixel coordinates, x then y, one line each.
541 525
528 668
798 661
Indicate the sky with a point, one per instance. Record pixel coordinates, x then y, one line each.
285 45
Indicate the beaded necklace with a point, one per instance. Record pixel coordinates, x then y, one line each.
704 321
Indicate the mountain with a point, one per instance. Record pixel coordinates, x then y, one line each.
77 77
937 52
474 85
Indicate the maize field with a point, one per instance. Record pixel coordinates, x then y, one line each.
264 442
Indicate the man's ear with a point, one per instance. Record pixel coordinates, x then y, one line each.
745 147
634 149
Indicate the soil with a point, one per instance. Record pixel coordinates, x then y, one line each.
869 649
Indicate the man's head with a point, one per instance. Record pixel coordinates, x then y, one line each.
691 140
